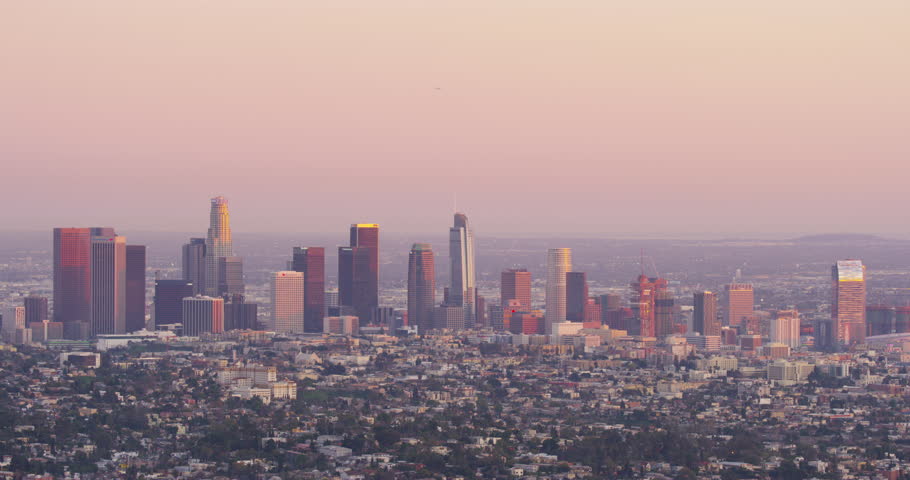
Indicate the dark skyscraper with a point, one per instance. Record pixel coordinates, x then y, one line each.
421 287
169 295
311 262
576 296
73 279
35 309
664 312
240 315
230 276
515 285
108 267
358 270
135 287
704 317
193 260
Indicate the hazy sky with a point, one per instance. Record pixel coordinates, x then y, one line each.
689 116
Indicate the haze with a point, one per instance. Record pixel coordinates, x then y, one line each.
603 117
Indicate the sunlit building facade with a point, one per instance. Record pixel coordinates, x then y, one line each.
421 287
559 263
848 309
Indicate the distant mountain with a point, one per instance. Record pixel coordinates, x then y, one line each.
840 238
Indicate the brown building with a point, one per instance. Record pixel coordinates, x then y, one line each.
421 287
515 285
740 303
311 262
704 317
849 306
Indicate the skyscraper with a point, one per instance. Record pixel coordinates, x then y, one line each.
218 246
202 315
73 280
135 287
169 295
576 296
240 315
287 302
664 310
462 288
643 302
515 284
358 270
785 328
230 276
740 303
35 309
421 287
559 263
704 317
193 261
848 310
311 262
108 287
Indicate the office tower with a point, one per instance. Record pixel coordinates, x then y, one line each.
331 298
704 316
358 270
169 295
880 320
311 262
12 319
108 273
785 328
515 285
135 287
240 315
35 309
230 276
527 323
576 296
202 315
559 263
45 330
287 302
384 316
73 280
496 315
193 259
902 320
421 287
480 317
608 302
848 309
447 317
592 315
219 246
343 325
740 303
664 311
462 288
644 294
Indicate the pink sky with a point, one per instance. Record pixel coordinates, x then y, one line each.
602 117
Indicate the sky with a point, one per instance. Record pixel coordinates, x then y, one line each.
696 117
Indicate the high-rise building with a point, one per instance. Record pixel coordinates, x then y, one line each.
358 270
785 328
341 325
740 303
644 295
480 309
240 315
421 287
576 296
559 263
13 319
311 262
664 311
202 315
880 320
704 316
108 287
287 302
193 261
515 285
35 309
447 317
848 309
135 287
462 289
219 246
169 295
230 276
73 280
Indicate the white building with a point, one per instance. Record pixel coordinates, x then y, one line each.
559 263
287 302
785 328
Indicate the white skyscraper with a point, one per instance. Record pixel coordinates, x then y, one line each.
559 262
287 302
785 328
463 279
108 285
218 244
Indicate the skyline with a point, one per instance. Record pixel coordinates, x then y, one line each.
712 117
